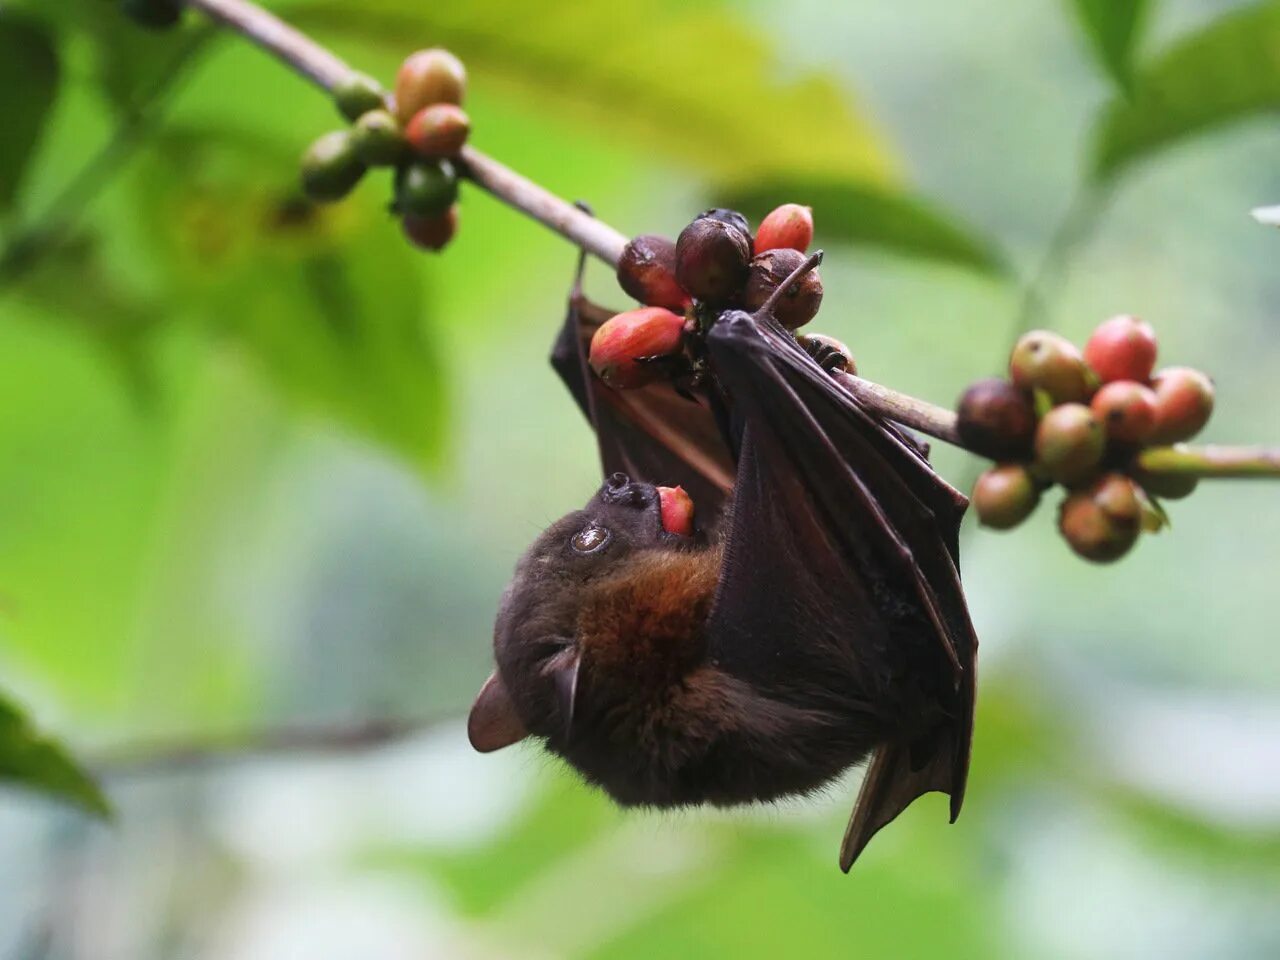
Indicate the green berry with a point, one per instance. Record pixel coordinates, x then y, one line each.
1005 495
426 188
1046 361
1070 442
378 140
357 95
157 14
1167 486
330 167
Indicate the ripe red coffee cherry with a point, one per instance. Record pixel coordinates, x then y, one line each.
799 303
647 272
1127 411
1184 403
676 508
1046 361
439 130
712 256
788 226
431 232
1122 348
1005 495
427 77
622 344
1102 521
997 420
1070 443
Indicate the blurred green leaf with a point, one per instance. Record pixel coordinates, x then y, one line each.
28 759
1228 71
29 74
850 213
1112 28
686 80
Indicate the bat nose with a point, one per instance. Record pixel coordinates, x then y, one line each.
620 490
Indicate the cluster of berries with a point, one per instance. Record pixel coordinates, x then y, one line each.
419 134
715 264
1080 419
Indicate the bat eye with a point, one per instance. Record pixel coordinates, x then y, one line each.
590 538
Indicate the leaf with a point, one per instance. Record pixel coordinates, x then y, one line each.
1112 28
39 763
690 82
29 72
875 216
1227 72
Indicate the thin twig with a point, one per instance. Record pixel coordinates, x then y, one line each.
323 68
145 758
1212 461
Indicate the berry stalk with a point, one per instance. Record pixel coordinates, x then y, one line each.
328 71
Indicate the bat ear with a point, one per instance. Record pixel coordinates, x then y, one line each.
493 723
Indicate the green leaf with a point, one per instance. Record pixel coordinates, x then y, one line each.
655 77
36 762
1112 28
1227 72
29 74
874 216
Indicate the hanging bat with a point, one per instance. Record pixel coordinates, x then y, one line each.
815 621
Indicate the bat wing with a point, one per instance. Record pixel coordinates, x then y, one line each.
840 520
652 434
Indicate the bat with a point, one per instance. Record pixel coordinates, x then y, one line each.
815 621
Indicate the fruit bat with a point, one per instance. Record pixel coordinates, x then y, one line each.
815 621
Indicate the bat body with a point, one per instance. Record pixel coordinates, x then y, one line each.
816 622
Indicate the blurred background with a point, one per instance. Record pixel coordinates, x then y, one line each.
266 468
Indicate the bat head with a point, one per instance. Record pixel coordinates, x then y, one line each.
536 637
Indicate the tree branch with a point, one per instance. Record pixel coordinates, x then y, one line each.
326 70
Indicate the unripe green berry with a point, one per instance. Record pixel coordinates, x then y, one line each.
357 94
997 420
378 140
1184 403
1005 495
1102 521
1167 486
1070 443
156 14
425 188
427 77
330 167
1042 360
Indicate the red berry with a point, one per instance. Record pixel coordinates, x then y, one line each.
622 343
1184 402
427 77
647 272
431 232
1102 522
676 508
1127 411
439 130
789 225
1122 348
712 257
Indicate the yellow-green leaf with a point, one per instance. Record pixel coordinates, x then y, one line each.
1112 29
692 83
29 75
36 762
